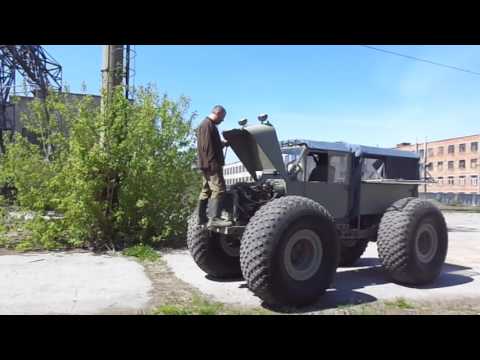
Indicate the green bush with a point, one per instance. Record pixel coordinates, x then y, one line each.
117 178
142 252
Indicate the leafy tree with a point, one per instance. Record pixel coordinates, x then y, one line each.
117 177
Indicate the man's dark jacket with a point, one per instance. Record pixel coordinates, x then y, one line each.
209 147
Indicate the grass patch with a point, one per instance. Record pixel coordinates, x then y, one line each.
172 310
142 252
198 306
202 306
399 303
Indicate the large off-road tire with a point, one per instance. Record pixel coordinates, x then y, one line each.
212 252
351 251
289 251
413 241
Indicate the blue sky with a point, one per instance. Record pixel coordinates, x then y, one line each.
330 93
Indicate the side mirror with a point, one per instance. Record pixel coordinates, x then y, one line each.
294 169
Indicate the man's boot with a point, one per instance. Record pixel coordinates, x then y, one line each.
216 220
202 212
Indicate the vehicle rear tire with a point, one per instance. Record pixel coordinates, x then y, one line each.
349 255
289 251
413 241
214 253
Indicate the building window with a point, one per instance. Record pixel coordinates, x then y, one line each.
451 180
430 152
450 165
451 149
461 164
474 180
440 166
440 151
474 146
462 180
440 181
421 153
461 148
429 166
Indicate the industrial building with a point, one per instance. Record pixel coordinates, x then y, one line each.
15 113
41 73
452 163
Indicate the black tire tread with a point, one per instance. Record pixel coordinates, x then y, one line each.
257 241
394 233
349 255
198 243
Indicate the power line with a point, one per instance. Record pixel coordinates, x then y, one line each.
422 60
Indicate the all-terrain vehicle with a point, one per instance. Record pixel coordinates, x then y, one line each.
314 206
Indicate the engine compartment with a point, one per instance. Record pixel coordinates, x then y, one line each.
244 199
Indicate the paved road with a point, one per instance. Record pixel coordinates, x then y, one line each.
366 281
71 283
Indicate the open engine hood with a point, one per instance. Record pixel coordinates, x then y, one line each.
258 149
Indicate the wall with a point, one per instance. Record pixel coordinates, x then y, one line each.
453 198
21 107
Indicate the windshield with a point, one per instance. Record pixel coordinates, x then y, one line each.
291 154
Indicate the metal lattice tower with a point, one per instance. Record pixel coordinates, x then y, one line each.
38 69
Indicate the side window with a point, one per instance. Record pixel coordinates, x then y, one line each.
373 169
338 169
324 167
317 167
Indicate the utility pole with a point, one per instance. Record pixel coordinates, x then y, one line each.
112 71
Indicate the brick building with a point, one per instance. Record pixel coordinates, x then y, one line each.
453 164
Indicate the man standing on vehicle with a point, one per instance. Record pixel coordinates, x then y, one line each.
211 161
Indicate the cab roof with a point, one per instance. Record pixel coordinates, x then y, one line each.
358 150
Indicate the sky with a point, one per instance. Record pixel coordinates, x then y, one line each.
318 92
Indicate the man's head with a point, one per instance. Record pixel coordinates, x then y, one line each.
218 114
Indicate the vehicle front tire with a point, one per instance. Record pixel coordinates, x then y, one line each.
413 241
289 251
214 253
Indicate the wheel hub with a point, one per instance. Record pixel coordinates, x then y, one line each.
303 254
426 243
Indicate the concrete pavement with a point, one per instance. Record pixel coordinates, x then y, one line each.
366 282
71 283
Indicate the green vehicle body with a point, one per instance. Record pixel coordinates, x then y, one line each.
345 187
